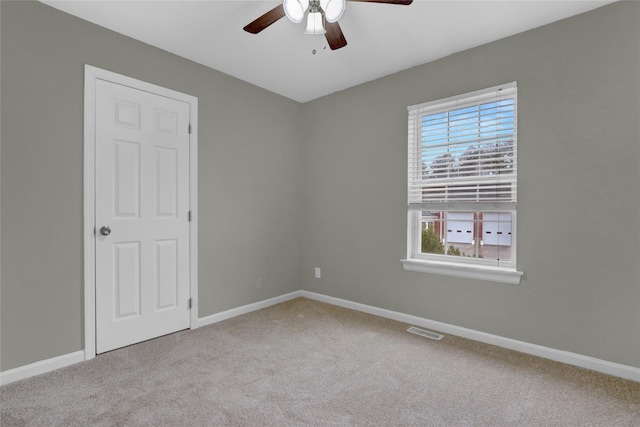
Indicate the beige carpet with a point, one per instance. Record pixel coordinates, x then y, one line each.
308 363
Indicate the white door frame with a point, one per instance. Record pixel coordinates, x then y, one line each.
91 74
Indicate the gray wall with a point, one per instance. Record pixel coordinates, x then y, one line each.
579 173
578 197
249 191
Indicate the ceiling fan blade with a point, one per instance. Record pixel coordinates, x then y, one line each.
334 35
400 2
265 20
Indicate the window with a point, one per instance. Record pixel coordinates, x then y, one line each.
462 187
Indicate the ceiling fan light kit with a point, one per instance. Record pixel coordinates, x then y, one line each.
332 9
322 17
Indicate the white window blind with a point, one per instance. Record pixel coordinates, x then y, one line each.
463 151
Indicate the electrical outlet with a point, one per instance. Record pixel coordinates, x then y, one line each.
318 273
259 283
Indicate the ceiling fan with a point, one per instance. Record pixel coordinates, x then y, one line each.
322 17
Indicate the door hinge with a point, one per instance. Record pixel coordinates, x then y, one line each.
189 128
189 303
189 216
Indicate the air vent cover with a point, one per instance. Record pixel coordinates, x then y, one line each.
424 333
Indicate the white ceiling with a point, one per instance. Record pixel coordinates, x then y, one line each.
382 39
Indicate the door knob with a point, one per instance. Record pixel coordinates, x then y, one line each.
105 231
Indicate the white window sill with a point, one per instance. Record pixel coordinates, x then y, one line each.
467 271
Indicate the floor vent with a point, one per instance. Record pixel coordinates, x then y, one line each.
426 334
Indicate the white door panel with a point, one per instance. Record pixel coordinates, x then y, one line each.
142 195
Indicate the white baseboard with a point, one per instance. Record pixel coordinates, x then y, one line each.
41 367
48 365
599 365
228 314
611 368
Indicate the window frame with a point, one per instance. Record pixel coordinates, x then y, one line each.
417 249
453 265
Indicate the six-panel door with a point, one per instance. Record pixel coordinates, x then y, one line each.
142 196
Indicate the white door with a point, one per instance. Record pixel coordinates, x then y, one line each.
496 228
141 215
